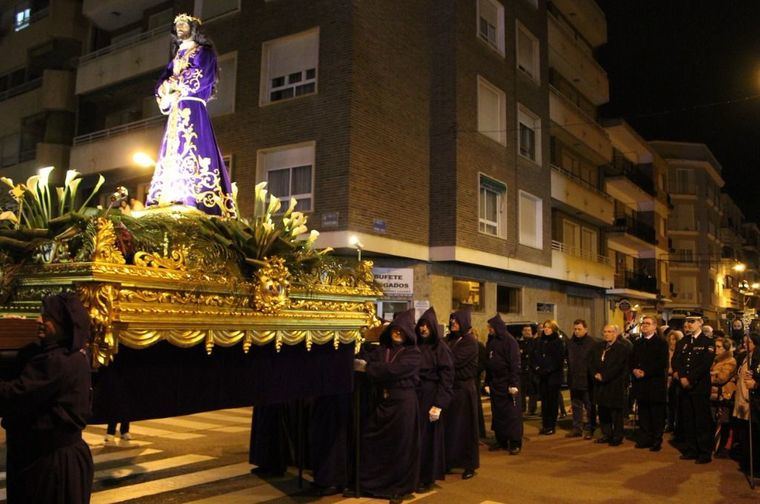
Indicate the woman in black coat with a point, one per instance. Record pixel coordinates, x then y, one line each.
503 379
45 409
434 393
548 356
389 455
461 421
610 369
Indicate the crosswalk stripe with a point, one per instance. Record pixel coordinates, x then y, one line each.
123 454
251 495
184 424
170 484
246 412
212 415
141 430
364 500
154 465
232 429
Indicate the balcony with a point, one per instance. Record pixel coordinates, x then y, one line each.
111 15
574 59
629 234
580 196
636 281
114 148
124 60
576 266
44 154
628 183
576 128
587 18
61 19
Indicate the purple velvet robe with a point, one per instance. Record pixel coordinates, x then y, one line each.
190 169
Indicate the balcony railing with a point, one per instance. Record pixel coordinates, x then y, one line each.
577 252
634 227
636 281
622 167
125 44
119 130
576 179
21 89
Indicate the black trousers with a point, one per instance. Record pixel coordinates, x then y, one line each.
611 421
672 405
549 404
651 422
697 422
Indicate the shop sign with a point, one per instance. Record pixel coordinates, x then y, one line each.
395 281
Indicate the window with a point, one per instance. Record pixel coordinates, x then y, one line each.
210 9
491 24
289 172
528 53
546 311
492 198
224 102
289 67
571 237
528 134
467 294
508 299
684 181
588 243
9 150
682 218
683 251
531 220
23 16
492 111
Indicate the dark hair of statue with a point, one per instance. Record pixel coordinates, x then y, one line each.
198 35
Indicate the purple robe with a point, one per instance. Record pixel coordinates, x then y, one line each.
190 169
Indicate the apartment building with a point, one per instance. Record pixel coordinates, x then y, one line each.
637 240
694 182
735 272
41 41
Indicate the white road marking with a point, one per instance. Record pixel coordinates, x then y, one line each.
154 465
222 417
170 484
183 424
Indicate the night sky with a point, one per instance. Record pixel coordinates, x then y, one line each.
673 63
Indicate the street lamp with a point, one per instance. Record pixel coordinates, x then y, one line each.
739 267
142 160
353 240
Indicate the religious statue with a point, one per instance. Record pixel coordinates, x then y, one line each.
190 170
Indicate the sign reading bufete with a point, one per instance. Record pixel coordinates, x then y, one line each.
395 281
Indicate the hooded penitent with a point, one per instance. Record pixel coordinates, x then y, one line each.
389 455
462 417
502 373
71 317
44 411
435 390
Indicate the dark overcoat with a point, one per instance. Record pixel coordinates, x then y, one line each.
502 372
651 356
611 362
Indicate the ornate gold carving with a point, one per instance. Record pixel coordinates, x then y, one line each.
100 300
104 249
176 260
270 294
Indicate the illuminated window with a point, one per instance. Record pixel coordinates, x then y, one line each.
491 204
528 55
467 294
492 111
23 16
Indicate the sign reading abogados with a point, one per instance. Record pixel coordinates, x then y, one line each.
395 281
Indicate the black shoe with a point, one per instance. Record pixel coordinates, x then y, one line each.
546 432
655 447
588 435
574 434
616 442
703 460
602 440
468 473
688 456
424 488
641 446
515 450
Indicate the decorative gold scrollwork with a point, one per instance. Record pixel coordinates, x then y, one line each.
99 300
270 293
104 249
177 260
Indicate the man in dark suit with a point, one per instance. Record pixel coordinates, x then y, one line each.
649 367
692 359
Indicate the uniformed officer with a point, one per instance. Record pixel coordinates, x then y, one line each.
693 356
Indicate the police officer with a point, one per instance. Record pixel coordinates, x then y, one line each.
693 356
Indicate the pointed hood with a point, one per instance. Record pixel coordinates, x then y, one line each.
499 326
431 319
404 322
463 317
71 317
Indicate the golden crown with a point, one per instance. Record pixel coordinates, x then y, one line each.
187 18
